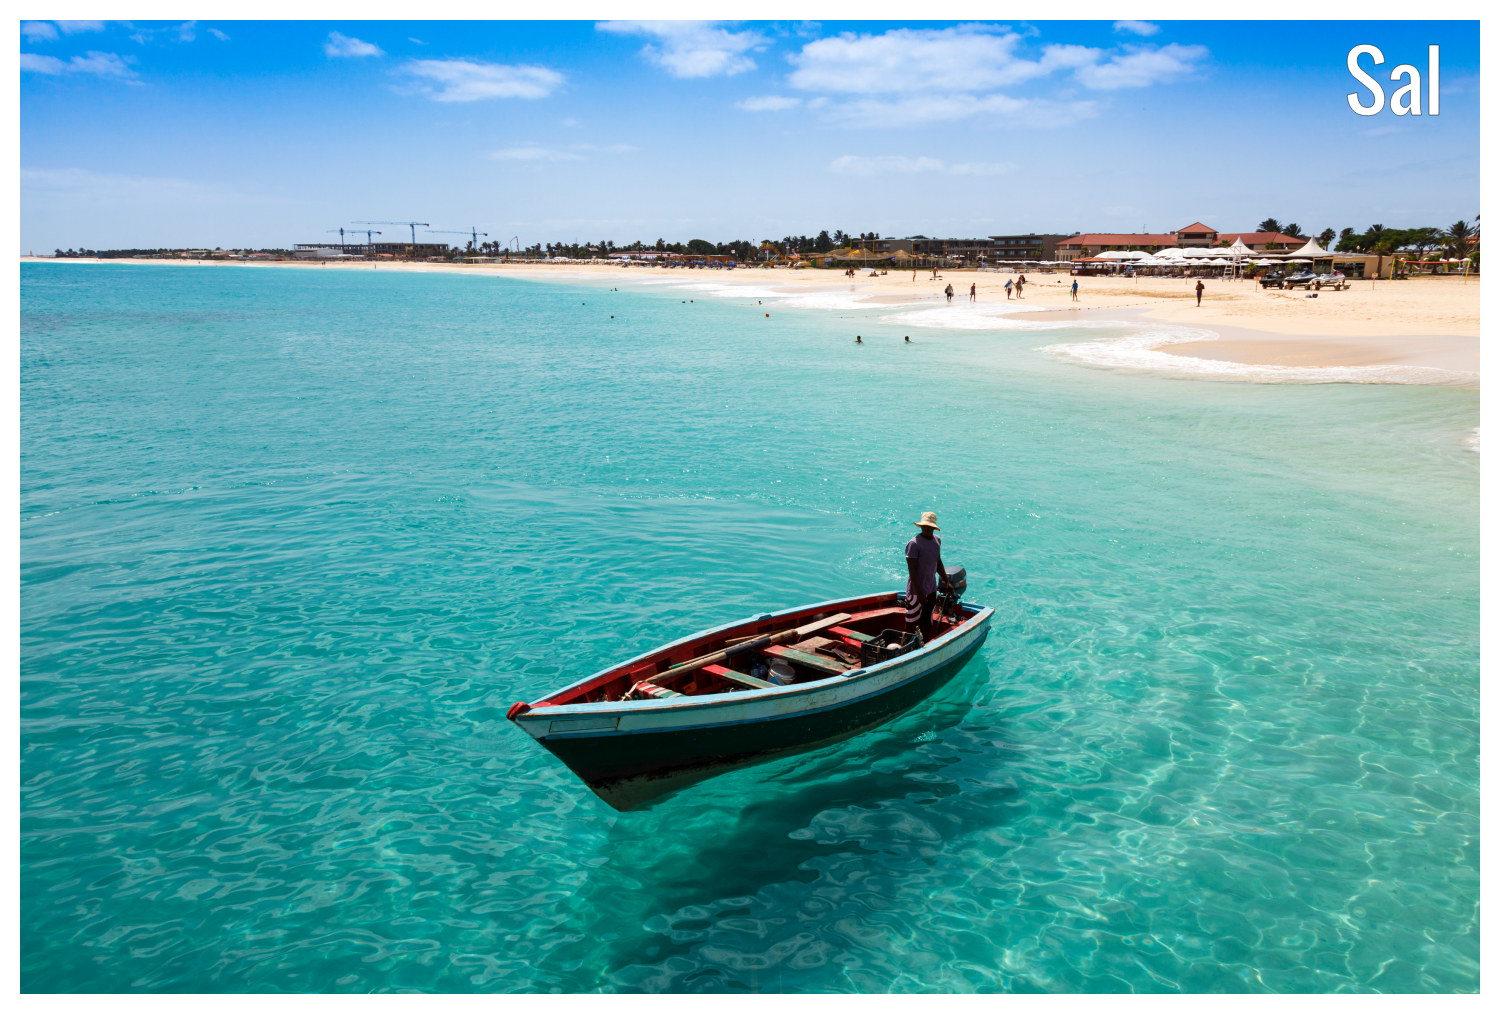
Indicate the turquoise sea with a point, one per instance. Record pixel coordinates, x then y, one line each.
293 540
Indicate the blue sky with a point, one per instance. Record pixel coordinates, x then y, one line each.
271 133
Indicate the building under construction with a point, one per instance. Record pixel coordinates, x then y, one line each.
402 251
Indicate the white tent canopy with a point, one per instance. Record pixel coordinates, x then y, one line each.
1238 248
1310 250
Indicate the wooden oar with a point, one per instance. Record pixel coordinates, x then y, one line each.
765 640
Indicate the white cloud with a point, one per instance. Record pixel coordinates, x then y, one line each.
38 30
691 48
768 103
92 62
218 35
1137 27
343 45
102 64
185 31
938 108
968 58
909 76
535 153
1142 67
870 165
540 153
75 27
38 64
881 165
470 80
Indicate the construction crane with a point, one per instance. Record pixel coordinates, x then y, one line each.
473 234
413 226
369 243
341 238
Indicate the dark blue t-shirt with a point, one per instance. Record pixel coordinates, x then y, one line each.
926 552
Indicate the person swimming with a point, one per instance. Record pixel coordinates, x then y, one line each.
858 340
908 339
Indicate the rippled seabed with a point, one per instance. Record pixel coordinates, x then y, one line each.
292 541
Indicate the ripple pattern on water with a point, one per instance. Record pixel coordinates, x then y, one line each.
291 542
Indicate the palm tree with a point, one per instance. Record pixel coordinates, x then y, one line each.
1269 225
1294 230
1460 235
1325 237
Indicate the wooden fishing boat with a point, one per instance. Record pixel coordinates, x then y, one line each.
741 693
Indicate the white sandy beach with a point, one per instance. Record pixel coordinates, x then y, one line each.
1426 327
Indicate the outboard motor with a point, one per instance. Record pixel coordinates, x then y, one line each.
952 593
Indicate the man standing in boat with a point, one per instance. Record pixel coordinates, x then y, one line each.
924 564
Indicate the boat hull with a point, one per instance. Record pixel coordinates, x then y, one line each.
631 755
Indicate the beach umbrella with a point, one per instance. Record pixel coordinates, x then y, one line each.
1171 253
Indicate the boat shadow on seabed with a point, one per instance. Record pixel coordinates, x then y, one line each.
732 836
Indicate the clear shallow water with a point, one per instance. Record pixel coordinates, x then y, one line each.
292 541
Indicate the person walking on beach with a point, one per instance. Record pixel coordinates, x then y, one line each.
924 567
949 290
1008 283
1075 290
1200 292
971 292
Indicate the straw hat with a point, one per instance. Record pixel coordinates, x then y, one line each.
929 520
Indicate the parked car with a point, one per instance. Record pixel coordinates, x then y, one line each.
1301 280
1274 280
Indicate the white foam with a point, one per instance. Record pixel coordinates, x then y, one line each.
1472 440
1141 350
968 316
1137 348
755 288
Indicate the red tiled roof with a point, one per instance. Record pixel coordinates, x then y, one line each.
1259 238
1196 227
1121 239
1170 238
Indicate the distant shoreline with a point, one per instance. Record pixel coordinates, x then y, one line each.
1419 325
